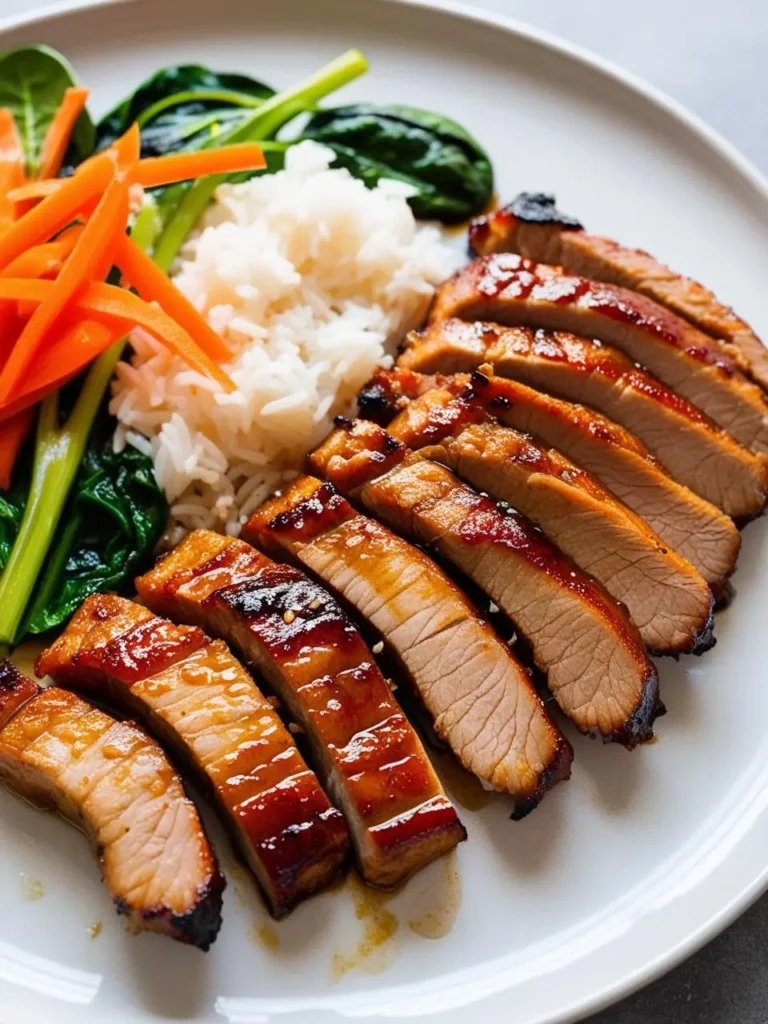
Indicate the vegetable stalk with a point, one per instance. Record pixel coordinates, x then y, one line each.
58 454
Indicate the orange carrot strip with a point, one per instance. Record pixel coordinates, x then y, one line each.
73 350
166 170
59 131
40 261
11 326
91 258
122 307
13 432
57 211
44 260
11 167
37 189
143 274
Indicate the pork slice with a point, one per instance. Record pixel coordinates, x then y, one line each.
693 527
369 756
594 659
112 781
694 450
532 226
202 703
515 291
479 695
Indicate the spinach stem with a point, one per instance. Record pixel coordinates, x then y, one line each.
264 122
239 99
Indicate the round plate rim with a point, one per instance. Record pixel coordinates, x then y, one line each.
756 885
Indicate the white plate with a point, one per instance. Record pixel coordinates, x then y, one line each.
642 856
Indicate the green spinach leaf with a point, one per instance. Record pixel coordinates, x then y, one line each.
184 107
113 520
11 510
115 517
449 170
33 80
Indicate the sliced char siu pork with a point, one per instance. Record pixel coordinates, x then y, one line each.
594 659
532 226
509 289
370 757
206 707
696 452
115 783
691 526
669 601
667 598
480 697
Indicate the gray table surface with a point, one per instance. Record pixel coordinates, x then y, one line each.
713 57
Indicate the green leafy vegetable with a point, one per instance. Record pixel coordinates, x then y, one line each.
11 511
450 172
185 107
33 80
113 520
111 523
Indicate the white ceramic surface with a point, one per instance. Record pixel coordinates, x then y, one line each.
640 857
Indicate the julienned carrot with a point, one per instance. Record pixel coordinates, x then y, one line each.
11 166
121 307
44 260
60 130
57 211
11 324
90 259
73 350
12 435
37 189
153 285
167 170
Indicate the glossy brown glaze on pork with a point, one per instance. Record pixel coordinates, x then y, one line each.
110 779
509 289
667 598
205 706
532 226
594 658
369 756
694 450
695 528
479 696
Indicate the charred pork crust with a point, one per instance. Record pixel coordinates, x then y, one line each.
15 690
377 403
540 208
354 452
528 207
389 391
198 927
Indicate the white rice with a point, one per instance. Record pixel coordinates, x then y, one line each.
312 279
